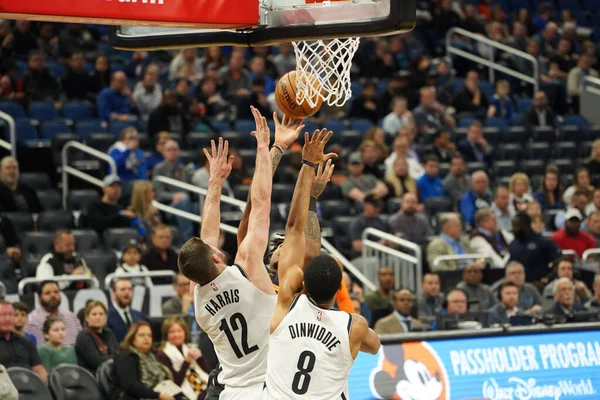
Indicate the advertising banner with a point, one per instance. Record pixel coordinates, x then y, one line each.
555 366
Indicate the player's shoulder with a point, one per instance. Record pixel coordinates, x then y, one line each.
358 327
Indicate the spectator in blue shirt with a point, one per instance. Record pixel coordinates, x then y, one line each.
478 196
430 185
115 102
502 105
130 160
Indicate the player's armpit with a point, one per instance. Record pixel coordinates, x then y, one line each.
363 338
289 287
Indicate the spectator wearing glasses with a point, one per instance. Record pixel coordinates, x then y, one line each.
565 306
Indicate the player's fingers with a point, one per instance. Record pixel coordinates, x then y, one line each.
230 161
213 149
329 156
276 118
316 135
264 123
299 122
327 137
330 172
306 140
207 154
220 147
322 135
253 133
319 170
226 148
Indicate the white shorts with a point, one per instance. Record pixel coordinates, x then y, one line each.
246 393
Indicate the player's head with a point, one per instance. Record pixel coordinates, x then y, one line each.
275 249
200 262
322 278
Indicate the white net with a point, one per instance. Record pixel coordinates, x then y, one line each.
329 62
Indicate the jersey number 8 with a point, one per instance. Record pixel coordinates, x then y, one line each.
237 321
306 364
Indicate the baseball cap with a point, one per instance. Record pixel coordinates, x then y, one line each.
355 158
373 199
132 244
573 213
110 179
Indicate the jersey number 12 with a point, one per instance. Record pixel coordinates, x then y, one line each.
237 321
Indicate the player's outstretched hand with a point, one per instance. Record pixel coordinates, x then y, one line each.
322 177
262 132
313 147
287 131
220 163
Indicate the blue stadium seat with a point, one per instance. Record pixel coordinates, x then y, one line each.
576 120
334 208
101 141
361 125
116 67
505 168
116 127
487 88
458 85
25 131
458 134
543 134
13 109
21 68
572 133
77 111
223 125
351 138
524 105
199 140
499 123
234 138
51 128
245 126
86 128
334 125
43 110
310 126
465 122
57 69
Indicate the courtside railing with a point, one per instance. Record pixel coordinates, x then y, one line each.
458 258
405 258
148 274
452 49
11 143
60 278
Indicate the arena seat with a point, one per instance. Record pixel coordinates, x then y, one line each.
50 128
87 240
499 123
72 382
22 221
361 125
43 111
241 192
543 134
118 238
36 180
331 192
13 109
104 376
341 227
282 193
101 141
7 274
77 111
234 138
117 127
249 156
505 168
539 150
50 199
435 205
100 262
199 140
56 68
334 208
87 128
565 150
29 384
25 132
336 126
565 165
515 134
351 138
54 220
189 156
244 126
533 167
81 199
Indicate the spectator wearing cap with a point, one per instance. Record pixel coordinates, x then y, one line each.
369 218
106 212
479 293
594 303
531 249
564 268
565 306
402 149
579 201
571 237
408 223
477 197
15 195
359 184
430 184
17 350
474 148
488 240
115 102
130 265
449 243
130 160
457 182
49 305
64 261
508 306
430 113
399 117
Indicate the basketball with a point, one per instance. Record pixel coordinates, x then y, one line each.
286 97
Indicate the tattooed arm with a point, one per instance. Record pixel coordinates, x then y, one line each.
286 133
312 231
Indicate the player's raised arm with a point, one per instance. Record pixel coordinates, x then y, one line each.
363 338
286 134
220 168
252 249
312 232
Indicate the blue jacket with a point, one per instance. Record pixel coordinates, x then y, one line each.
131 165
118 326
497 315
471 202
505 110
109 101
430 187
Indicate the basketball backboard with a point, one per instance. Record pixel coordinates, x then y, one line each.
281 20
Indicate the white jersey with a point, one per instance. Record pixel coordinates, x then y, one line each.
236 315
309 354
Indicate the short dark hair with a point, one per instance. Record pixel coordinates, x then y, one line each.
44 283
457 156
113 284
48 323
195 262
20 306
322 278
439 134
505 285
429 158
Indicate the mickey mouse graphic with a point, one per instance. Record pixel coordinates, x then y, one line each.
402 378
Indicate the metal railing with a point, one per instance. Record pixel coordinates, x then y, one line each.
455 257
60 278
242 204
589 99
489 62
407 267
68 170
148 274
11 144
572 254
588 254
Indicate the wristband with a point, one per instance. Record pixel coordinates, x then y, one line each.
309 163
312 207
278 147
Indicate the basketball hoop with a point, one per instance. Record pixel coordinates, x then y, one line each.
329 61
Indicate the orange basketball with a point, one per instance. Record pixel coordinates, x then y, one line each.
285 97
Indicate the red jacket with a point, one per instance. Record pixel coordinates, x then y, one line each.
579 243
